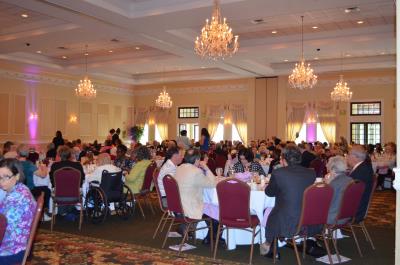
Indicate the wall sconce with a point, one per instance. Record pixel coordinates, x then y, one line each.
73 118
227 121
33 116
151 122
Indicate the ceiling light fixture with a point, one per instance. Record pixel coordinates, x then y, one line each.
137 48
24 15
360 22
341 92
286 60
110 51
38 51
64 57
164 100
216 40
274 32
315 27
85 87
302 76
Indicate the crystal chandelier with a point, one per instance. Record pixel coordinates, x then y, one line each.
302 76
85 87
341 92
216 39
164 100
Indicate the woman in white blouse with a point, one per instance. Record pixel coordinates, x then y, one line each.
103 163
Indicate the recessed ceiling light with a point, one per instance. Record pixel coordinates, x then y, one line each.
315 27
86 53
360 22
38 51
348 55
383 53
316 58
137 48
352 9
138 72
64 57
274 32
286 60
24 15
110 51
203 67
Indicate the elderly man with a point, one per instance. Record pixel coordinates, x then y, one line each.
193 177
287 185
361 169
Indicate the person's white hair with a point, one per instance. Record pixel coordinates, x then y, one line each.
358 152
337 164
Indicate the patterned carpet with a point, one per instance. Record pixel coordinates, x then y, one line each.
62 248
382 211
65 248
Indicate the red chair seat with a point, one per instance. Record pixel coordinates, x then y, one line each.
242 223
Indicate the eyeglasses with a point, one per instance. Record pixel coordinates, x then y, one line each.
4 178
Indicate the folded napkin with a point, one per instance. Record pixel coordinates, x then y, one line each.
243 176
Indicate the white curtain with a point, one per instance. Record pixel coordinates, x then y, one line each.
327 119
239 118
214 114
295 119
141 116
161 119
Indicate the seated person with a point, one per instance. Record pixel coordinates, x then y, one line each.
134 180
65 154
29 170
121 160
103 163
193 176
173 158
361 169
246 163
338 180
19 208
287 185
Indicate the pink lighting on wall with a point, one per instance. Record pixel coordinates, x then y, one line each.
311 126
33 116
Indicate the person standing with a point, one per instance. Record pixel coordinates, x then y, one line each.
204 140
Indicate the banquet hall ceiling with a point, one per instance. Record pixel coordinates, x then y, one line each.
151 41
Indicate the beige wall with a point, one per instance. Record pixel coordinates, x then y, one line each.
265 100
54 105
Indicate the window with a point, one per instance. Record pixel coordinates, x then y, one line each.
366 132
145 137
157 136
219 134
188 112
192 130
365 108
320 137
235 134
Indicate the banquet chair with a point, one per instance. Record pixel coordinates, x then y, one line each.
234 210
212 165
178 217
3 226
220 160
67 191
317 199
347 212
144 193
165 216
361 224
34 226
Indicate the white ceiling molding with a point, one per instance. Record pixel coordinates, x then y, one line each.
365 81
193 90
61 82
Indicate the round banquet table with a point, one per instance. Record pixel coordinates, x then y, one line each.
258 203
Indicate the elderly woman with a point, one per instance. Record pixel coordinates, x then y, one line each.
338 180
134 180
19 208
103 163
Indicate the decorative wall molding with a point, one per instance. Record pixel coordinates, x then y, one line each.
61 82
373 80
194 90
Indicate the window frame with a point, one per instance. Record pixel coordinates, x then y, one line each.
366 102
366 130
189 107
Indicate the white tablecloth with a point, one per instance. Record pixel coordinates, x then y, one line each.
258 203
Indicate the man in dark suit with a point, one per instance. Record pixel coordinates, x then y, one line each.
361 169
287 185
306 155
